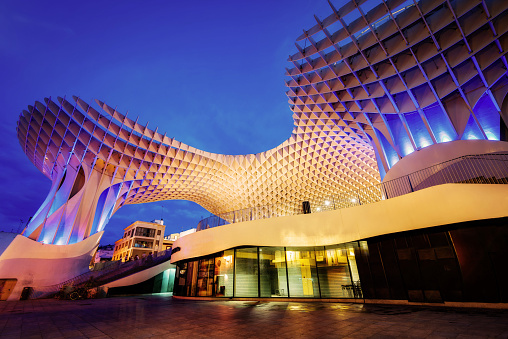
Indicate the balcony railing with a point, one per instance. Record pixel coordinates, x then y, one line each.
469 169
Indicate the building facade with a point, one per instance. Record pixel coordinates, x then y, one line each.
411 80
400 143
445 244
374 82
463 262
140 239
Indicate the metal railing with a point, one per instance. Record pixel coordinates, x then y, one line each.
469 169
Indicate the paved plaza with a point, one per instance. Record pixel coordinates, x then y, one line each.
161 316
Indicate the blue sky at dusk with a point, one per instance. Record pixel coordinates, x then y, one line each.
208 73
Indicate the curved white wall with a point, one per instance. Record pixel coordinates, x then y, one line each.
141 276
438 153
435 206
34 264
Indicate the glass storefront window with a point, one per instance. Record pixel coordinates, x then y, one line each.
272 272
357 287
187 278
246 272
205 277
180 275
334 275
313 272
303 279
224 274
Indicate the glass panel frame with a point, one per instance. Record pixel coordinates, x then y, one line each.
224 274
272 272
303 279
246 272
334 273
205 277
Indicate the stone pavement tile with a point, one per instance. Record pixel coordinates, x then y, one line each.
142 333
420 325
92 333
416 335
382 336
51 335
300 331
503 334
161 331
345 331
159 317
71 333
330 336
120 335
469 336
25 334
339 324
397 334
399 328
33 336
362 334
11 336
443 334
203 335
370 331
15 332
376 327
185 332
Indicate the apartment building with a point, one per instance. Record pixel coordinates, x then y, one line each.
140 238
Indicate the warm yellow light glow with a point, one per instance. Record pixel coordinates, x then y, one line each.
290 255
227 259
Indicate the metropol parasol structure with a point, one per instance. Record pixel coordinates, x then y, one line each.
368 85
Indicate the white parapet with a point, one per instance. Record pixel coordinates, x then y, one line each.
34 264
430 207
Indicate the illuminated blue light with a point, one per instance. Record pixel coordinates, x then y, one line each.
48 232
108 208
488 117
62 233
380 167
418 130
75 236
61 195
400 136
105 206
472 131
41 213
98 212
390 155
440 124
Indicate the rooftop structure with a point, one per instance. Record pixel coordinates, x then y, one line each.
421 85
380 90
372 83
401 75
